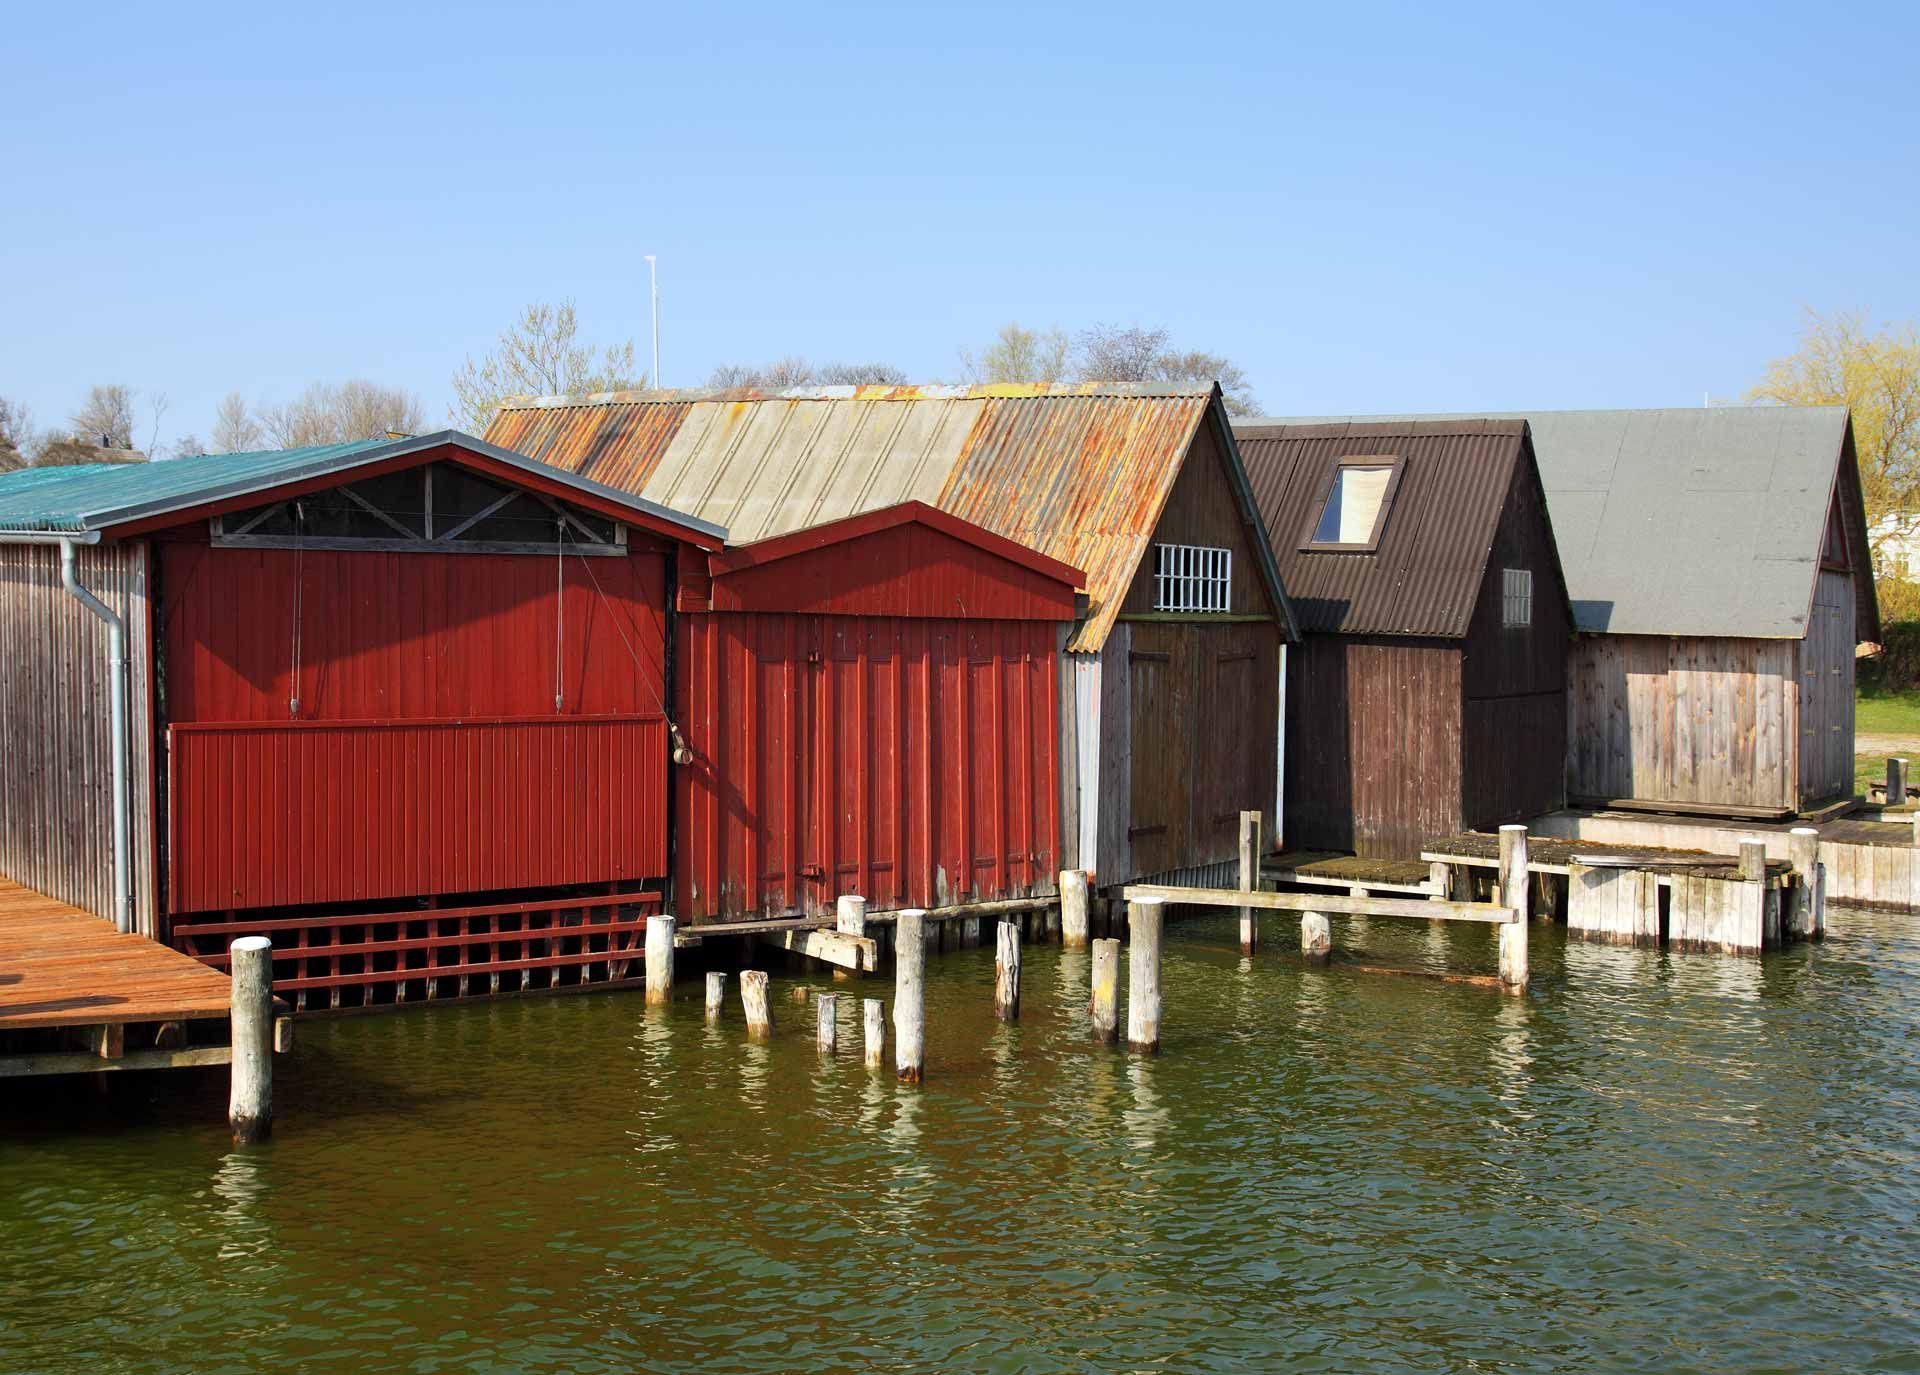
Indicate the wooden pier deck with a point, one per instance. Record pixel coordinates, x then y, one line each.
65 970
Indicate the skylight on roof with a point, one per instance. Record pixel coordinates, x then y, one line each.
1356 504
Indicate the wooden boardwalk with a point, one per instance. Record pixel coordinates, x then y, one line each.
62 967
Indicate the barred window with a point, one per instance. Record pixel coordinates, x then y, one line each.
1516 597
1192 577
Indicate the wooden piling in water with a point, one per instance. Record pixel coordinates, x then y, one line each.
910 996
1515 891
250 1095
850 915
874 1017
826 1033
1249 878
1145 923
716 994
1753 860
1803 852
1073 908
1316 937
753 1001
660 931
1896 782
1104 1004
1006 972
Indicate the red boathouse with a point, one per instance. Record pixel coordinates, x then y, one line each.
410 706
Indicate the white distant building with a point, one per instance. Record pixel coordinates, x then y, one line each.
1895 541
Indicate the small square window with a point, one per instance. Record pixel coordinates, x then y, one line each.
1192 577
1353 510
1516 597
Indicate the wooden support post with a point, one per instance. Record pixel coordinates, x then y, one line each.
1803 851
1439 881
1145 922
1105 1002
250 1099
1916 828
1753 860
1896 782
850 915
716 994
1006 972
753 1001
660 959
910 995
1249 878
1073 908
826 1033
875 1015
1515 892
1316 937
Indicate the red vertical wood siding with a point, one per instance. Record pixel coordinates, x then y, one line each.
913 761
287 815
429 755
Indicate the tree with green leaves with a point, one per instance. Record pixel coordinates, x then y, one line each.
541 354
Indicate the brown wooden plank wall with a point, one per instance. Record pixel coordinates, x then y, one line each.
1203 712
1707 721
56 793
1374 739
1826 692
1201 510
1514 679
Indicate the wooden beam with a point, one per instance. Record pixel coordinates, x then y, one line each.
1426 910
857 953
20 1066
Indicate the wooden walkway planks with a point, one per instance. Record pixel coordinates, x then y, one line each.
60 966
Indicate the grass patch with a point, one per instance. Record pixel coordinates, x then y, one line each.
1887 713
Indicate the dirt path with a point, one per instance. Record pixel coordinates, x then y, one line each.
1883 745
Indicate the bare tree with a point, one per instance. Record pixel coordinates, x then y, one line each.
1019 355
1110 353
235 431
541 355
20 442
106 417
329 414
796 371
188 446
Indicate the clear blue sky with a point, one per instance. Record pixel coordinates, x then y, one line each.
1370 208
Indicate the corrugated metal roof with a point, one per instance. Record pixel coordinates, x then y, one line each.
1424 576
98 496
1695 521
1078 472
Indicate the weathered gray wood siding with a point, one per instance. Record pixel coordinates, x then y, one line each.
1826 692
1697 720
56 771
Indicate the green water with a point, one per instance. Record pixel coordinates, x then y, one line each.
1684 1163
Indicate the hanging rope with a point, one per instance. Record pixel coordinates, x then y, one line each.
618 629
299 578
559 612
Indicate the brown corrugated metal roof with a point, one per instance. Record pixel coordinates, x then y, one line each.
1078 472
1425 574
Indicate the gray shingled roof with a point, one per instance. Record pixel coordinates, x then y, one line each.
1701 521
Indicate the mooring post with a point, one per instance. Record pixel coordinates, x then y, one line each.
1514 892
1753 860
1803 852
826 1032
850 915
910 995
1105 1003
1006 972
1073 908
1316 937
250 1099
716 994
753 1001
874 1013
1896 782
1249 878
1145 921
660 958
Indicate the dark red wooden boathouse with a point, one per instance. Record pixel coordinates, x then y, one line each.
410 708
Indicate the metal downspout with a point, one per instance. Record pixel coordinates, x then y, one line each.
117 723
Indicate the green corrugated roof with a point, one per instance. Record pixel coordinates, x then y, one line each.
98 496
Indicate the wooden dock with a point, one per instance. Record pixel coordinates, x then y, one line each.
77 995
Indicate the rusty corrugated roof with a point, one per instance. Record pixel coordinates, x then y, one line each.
1079 472
1425 574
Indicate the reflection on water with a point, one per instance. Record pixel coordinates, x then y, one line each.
1653 1162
